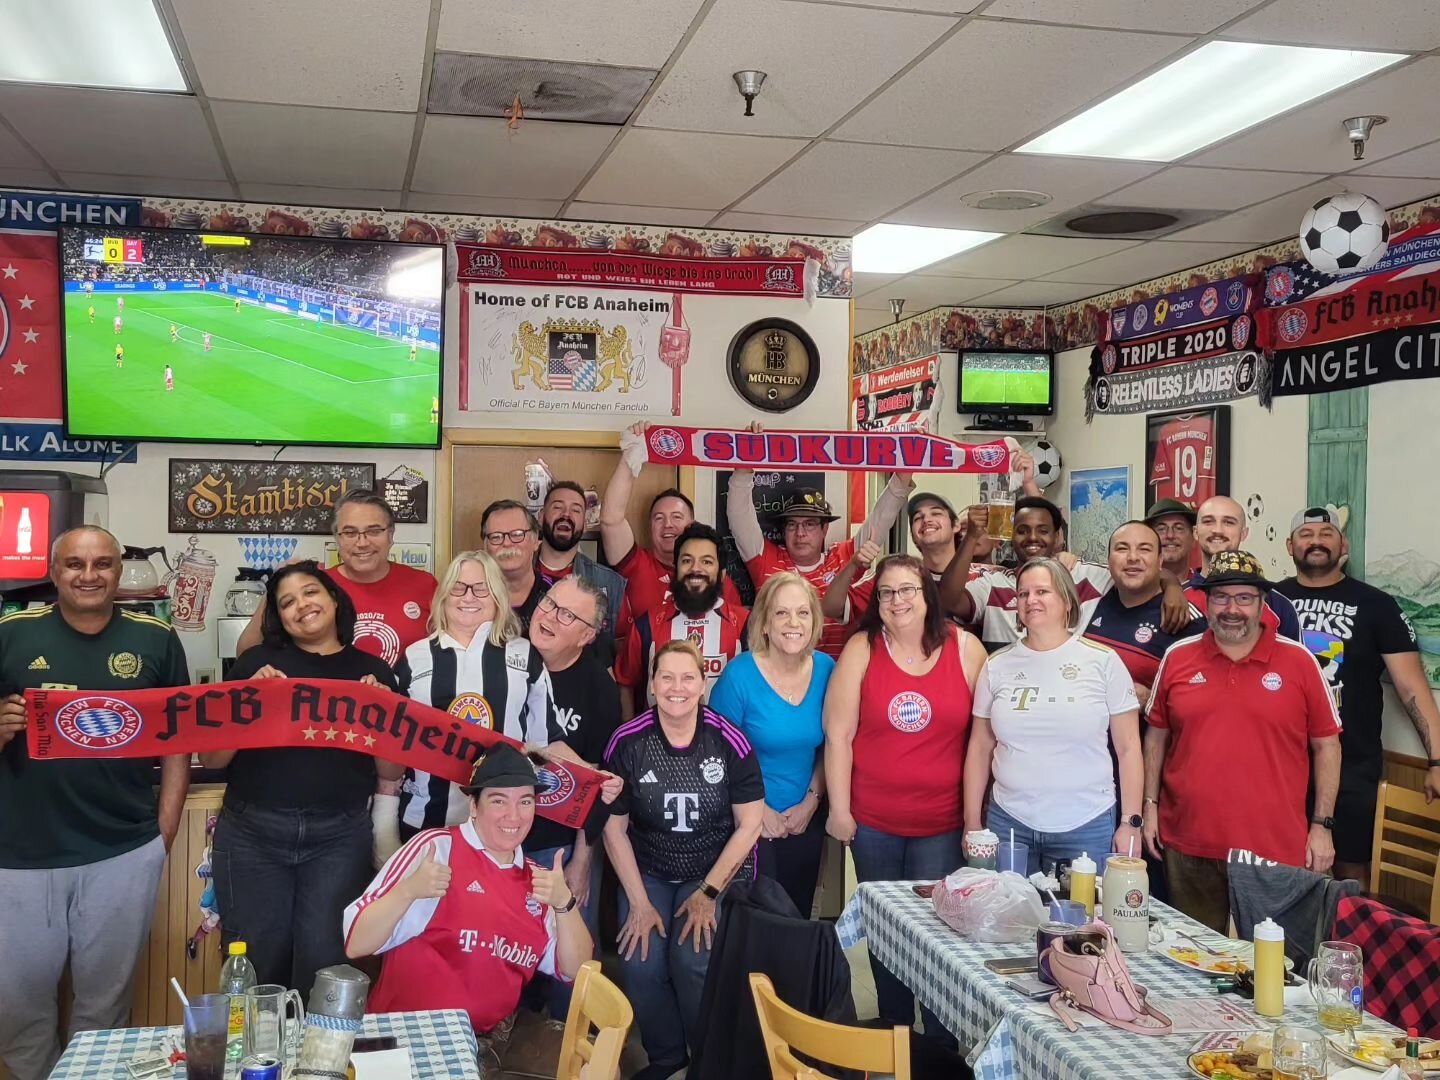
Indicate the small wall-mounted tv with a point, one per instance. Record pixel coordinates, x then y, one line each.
228 337
1007 382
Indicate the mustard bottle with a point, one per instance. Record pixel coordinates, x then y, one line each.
1082 882
1269 968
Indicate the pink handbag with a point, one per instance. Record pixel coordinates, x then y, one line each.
1092 975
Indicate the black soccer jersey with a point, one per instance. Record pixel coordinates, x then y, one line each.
680 799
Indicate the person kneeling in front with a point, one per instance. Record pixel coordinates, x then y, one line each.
462 919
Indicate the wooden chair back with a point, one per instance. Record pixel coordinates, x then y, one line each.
1402 816
786 1030
599 1004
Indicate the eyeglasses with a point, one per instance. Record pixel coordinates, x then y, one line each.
887 595
479 590
373 532
804 524
1178 528
514 536
564 614
1225 600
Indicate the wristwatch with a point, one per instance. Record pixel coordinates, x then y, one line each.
708 891
1135 821
1323 822
1435 763
568 907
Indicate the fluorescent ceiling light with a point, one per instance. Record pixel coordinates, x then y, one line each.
1215 91
898 249
111 44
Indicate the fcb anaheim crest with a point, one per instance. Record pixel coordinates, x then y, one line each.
572 355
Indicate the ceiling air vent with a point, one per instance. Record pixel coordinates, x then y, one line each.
467 85
1140 222
1005 200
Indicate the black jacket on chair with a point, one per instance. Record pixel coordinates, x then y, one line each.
761 930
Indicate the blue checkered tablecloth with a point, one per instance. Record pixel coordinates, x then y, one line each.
441 1045
1010 1039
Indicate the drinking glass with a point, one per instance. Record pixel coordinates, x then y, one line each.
1337 982
1299 1054
207 1023
266 1026
1013 856
1000 518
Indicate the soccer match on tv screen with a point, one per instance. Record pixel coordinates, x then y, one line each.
247 338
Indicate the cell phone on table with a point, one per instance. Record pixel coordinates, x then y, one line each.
1012 965
373 1043
1030 986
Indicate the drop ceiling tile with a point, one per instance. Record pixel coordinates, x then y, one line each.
1124 14
1312 139
157 186
625 33
357 54
1388 191
1024 257
867 319
638 215
476 155
994 84
26 178
686 168
866 285
1156 258
297 195
1039 294
475 204
13 154
1399 25
291 144
855 180
1182 188
921 291
822 61
1422 161
939 7
780 223
1069 181
112 131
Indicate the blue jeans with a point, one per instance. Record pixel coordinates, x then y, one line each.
881 856
665 988
554 992
1093 838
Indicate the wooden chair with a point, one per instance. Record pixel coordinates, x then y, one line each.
595 1002
786 1030
1391 801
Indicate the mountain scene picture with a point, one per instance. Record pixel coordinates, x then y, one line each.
1414 581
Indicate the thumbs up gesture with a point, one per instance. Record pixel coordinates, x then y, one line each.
548 884
430 878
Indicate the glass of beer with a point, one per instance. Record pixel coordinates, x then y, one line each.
1000 518
1299 1054
1337 982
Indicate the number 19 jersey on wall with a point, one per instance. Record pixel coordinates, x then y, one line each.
1183 460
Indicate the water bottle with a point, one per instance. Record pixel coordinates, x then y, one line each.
237 977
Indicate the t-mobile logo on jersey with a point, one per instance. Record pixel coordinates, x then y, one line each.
468 938
519 955
681 809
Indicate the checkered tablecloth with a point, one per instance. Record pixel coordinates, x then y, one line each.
1010 1039
441 1045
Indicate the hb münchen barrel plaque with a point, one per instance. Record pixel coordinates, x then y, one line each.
774 364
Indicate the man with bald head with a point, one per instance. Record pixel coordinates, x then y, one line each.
82 842
1220 526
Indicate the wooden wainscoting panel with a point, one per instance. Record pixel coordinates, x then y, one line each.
1404 893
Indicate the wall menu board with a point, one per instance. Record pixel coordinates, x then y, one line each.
771 488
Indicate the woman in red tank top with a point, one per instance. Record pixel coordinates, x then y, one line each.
897 719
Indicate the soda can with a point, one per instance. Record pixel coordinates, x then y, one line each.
261 1068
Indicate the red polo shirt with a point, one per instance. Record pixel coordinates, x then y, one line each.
1238 763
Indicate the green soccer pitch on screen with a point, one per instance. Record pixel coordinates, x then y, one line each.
226 337
1002 381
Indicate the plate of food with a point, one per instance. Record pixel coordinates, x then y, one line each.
1222 958
1249 1061
1378 1052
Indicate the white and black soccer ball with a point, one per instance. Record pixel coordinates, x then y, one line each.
1047 463
1254 506
1345 233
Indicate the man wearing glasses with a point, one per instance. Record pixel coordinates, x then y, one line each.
392 602
512 538
1241 721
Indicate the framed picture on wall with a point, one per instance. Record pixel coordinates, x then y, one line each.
1187 455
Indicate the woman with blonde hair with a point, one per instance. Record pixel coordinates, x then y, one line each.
476 666
775 694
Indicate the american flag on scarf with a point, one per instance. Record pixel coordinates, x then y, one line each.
1415 251
29 326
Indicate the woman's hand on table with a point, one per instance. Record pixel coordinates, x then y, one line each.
840 826
636 931
699 913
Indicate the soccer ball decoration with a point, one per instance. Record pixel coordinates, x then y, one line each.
1344 233
1047 463
1255 506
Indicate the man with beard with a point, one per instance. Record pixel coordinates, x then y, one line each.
562 524
511 537
1174 522
695 609
647 572
1220 526
1236 716
1356 633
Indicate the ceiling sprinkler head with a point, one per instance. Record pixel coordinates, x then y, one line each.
749 83
897 305
1358 128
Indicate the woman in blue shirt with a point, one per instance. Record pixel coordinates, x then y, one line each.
775 694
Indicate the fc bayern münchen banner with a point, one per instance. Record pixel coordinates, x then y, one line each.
897 398
269 713
1188 307
631 270
1366 305
1205 381
1411 352
828 451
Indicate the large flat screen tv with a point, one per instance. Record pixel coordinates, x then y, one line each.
1007 382
204 337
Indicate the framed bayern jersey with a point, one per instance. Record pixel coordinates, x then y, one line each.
1187 455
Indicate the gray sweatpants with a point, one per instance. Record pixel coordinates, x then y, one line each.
98 916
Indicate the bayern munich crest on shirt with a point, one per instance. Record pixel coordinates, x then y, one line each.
1292 325
98 723
553 784
1279 284
1209 301
1144 633
666 443
910 712
988 457
1271 680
